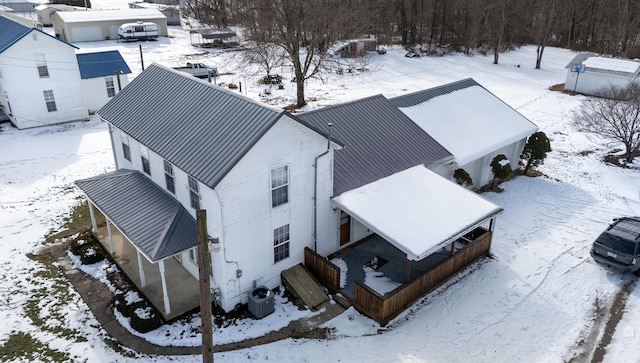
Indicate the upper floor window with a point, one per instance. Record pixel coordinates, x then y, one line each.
111 88
280 243
194 193
279 186
50 100
126 150
144 157
41 62
168 177
192 256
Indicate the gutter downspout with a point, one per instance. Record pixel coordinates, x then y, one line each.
315 190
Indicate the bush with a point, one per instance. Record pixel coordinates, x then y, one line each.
92 253
125 300
144 317
462 177
81 241
232 86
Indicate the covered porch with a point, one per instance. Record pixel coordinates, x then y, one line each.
145 228
427 229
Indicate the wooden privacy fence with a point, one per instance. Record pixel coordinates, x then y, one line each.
326 272
384 308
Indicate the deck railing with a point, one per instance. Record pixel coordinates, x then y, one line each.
384 308
326 272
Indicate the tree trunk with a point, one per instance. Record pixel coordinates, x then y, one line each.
539 51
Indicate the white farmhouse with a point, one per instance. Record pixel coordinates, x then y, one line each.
35 88
470 122
589 73
279 190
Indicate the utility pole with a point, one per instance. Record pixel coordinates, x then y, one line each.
205 292
141 59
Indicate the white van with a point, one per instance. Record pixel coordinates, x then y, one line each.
138 31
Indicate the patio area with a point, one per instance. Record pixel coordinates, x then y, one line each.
182 287
385 259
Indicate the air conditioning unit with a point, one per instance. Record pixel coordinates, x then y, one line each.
261 302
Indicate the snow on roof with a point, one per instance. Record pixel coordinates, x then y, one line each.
612 64
470 122
109 15
417 210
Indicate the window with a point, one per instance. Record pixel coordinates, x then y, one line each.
144 156
41 63
126 150
194 193
168 177
279 186
192 255
50 101
280 243
111 88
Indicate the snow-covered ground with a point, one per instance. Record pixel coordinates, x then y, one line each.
533 302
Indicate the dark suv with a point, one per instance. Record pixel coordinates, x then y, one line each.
618 247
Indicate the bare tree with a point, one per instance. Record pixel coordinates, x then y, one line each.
544 21
208 12
303 29
615 116
496 17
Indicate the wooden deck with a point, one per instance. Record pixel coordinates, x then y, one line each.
304 287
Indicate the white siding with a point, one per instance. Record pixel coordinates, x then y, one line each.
95 90
590 83
24 87
480 169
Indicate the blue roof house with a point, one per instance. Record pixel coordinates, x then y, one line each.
103 75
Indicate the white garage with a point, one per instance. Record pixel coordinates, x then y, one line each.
96 25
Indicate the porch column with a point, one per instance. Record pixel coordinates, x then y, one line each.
165 294
491 224
408 270
113 249
143 280
94 225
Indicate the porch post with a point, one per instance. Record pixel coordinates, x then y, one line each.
165 294
113 249
408 270
491 224
94 225
143 280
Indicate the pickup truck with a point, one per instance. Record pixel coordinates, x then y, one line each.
199 70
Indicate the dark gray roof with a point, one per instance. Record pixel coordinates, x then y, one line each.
419 97
581 57
379 141
199 127
147 216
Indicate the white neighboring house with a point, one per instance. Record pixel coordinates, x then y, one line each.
589 73
35 90
44 11
470 122
103 75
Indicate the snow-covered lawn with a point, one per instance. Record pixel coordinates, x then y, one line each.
533 302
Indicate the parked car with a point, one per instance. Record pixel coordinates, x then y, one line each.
199 70
618 247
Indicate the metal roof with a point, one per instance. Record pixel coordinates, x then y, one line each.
146 215
379 141
419 97
13 31
101 64
201 128
127 15
581 57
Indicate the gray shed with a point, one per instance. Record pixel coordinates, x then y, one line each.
95 25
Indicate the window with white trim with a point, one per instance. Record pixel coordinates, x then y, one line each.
194 193
41 63
50 101
192 256
169 178
126 150
144 157
111 87
279 186
281 243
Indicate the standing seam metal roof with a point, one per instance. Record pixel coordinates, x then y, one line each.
101 64
419 97
379 141
13 31
201 128
581 57
148 217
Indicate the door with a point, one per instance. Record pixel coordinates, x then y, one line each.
345 228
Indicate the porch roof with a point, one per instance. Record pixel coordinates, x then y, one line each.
417 210
156 224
